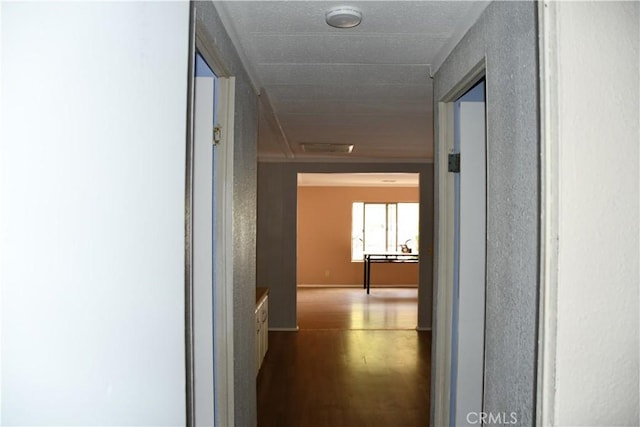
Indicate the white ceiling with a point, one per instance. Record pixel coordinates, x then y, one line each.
368 86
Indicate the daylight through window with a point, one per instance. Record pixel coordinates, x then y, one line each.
383 228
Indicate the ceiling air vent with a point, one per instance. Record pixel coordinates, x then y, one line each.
326 148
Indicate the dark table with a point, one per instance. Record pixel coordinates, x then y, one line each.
392 257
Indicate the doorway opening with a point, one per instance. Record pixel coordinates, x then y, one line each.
342 217
366 362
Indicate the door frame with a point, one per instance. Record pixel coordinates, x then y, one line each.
469 307
201 42
549 203
444 246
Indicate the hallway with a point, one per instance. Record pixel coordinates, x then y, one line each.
356 361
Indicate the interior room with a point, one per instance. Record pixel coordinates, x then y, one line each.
340 218
334 210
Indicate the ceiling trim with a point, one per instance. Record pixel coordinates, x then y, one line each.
360 179
208 49
272 118
227 23
472 16
345 159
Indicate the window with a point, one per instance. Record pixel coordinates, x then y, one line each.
383 227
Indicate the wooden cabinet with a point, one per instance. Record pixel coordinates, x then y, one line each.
262 325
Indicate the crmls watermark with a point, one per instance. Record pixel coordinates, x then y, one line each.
495 418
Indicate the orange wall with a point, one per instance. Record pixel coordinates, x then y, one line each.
324 236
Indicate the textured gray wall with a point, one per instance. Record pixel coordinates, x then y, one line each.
506 37
276 251
244 220
277 228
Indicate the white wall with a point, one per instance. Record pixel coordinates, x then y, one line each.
92 193
598 253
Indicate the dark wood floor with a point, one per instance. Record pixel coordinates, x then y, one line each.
350 364
352 308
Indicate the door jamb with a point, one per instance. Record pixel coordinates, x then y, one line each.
188 232
443 292
200 41
548 268
223 292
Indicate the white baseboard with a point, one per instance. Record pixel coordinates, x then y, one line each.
359 285
284 329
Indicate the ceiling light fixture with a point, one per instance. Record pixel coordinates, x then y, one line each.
344 17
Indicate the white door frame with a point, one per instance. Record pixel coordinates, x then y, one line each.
469 359
203 239
547 310
223 291
444 249
224 403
